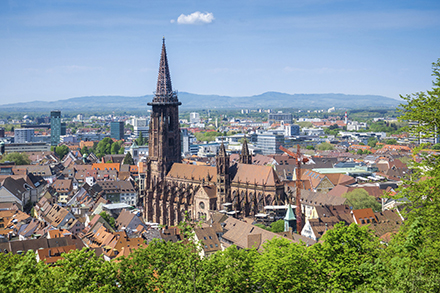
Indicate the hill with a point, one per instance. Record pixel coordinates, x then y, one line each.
194 101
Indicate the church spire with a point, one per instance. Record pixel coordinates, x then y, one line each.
164 87
245 156
222 150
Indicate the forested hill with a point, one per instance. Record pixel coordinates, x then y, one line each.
194 101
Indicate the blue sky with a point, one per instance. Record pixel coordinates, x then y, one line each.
52 50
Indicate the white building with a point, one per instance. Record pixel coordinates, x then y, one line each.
194 118
23 135
354 125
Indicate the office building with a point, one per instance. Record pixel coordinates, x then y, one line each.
291 130
55 127
278 117
117 130
194 118
270 143
140 126
23 135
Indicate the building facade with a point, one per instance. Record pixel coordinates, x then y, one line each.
170 190
117 130
23 135
278 117
55 127
270 143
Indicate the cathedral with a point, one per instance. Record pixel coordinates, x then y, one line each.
170 188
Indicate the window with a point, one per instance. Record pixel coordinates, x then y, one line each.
202 205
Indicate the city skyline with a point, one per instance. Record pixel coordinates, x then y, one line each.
59 50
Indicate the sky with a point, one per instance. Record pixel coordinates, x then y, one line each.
59 49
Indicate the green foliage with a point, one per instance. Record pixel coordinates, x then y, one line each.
262 226
207 136
141 140
360 199
18 158
423 108
325 146
390 141
128 160
109 219
332 130
62 150
382 126
85 150
305 124
284 267
310 147
231 270
277 226
162 267
372 141
115 148
346 258
106 147
363 152
436 146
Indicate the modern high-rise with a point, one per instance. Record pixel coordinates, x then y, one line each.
55 127
117 130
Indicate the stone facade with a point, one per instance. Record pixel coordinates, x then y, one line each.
172 189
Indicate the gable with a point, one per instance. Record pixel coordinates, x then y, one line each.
255 174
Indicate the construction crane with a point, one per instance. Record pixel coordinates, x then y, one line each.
299 159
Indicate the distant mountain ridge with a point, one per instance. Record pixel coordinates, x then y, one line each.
195 101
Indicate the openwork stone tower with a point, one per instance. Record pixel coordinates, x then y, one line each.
164 133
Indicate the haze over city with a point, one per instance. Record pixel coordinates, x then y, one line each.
54 50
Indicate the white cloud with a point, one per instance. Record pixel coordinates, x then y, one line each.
195 18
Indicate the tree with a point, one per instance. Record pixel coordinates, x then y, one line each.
347 258
284 266
231 270
372 141
436 146
115 148
424 108
109 219
104 147
128 160
414 253
85 150
360 199
325 146
18 158
141 140
62 150
390 141
277 226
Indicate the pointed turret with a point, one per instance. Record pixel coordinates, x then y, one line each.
289 219
164 87
164 90
245 156
222 150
